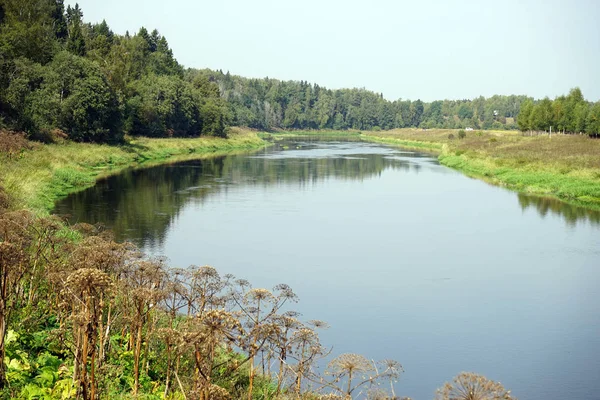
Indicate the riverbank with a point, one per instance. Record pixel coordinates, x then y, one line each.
566 167
40 175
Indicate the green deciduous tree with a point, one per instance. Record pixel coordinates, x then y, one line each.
214 117
593 120
28 30
79 99
524 118
541 118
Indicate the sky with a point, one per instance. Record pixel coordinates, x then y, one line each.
419 49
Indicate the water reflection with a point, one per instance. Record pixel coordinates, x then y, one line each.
139 205
570 213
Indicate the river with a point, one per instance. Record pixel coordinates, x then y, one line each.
404 258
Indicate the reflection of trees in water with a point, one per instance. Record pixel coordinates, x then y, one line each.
139 205
570 213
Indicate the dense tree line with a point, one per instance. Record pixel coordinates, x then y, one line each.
63 77
60 76
271 103
566 114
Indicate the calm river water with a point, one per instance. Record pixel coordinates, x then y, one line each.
404 258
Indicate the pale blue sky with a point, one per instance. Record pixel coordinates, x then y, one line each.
405 49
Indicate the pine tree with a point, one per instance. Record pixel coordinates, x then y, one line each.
59 21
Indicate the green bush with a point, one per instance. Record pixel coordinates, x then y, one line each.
462 134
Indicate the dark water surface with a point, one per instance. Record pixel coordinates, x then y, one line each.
404 258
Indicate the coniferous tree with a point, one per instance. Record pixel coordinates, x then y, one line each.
75 41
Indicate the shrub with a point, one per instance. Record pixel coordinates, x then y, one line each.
4 201
451 136
13 144
462 134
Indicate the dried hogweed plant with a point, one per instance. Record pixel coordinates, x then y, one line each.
281 346
205 334
173 304
81 293
99 252
143 286
353 374
471 386
259 308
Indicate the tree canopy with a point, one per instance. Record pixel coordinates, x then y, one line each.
271 103
59 73
567 114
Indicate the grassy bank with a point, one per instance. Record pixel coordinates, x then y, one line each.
562 166
39 176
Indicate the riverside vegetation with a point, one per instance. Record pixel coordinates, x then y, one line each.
35 175
82 316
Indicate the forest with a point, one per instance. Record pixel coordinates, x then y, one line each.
269 104
64 78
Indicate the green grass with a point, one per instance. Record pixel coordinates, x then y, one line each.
580 191
40 176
